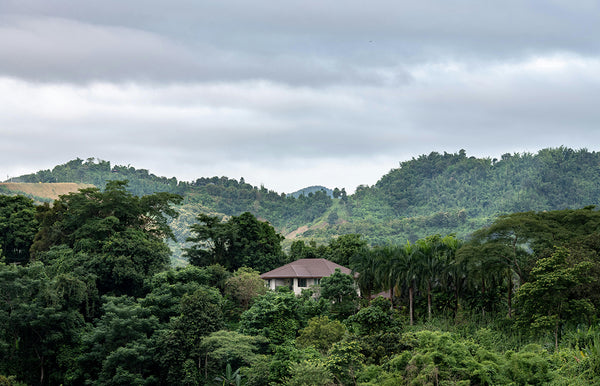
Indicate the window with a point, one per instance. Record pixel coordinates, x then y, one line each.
317 281
301 282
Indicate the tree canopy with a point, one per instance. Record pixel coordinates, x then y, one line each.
242 241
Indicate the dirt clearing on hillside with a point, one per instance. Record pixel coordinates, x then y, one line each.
45 190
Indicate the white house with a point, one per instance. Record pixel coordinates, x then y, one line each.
301 274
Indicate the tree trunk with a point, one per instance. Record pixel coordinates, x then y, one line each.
429 299
42 371
510 297
556 336
456 301
410 304
483 298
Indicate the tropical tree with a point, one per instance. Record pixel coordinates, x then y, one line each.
398 269
551 297
454 276
344 247
321 333
430 253
485 273
387 271
409 261
122 235
340 290
229 348
364 265
276 315
245 285
40 322
18 227
243 241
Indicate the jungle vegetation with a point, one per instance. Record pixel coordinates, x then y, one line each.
88 296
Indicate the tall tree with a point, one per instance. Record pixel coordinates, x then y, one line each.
39 322
18 227
388 271
517 240
551 298
364 265
340 290
344 247
411 273
123 235
430 251
245 285
243 241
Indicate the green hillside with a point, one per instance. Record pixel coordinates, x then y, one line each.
435 193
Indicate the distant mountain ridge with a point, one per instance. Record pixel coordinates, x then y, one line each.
434 193
311 189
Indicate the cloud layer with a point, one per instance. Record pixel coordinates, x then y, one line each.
296 93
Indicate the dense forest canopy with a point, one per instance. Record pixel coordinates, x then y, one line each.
87 297
87 294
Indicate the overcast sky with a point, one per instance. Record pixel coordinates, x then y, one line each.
293 93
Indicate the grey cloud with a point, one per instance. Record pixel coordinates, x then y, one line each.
296 42
51 49
190 88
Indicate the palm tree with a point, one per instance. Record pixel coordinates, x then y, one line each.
430 263
364 264
454 274
406 272
414 274
484 272
387 271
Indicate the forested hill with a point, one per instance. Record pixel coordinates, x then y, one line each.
435 193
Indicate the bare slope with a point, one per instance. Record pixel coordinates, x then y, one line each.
44 190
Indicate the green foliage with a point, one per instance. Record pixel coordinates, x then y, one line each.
229 348
201 314
339 289
530 366
179 344
168 287
310 373
122 235
18 227
344 247
344 361
242 241
550 298
230 377
39 320
118 348
275 315
321 333
10 381
245 285
376 318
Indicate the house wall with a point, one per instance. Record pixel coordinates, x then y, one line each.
308 282
293 283
272 284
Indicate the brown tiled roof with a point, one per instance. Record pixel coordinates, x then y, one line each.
305 268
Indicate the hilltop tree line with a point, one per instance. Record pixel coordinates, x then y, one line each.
87 297
431 194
